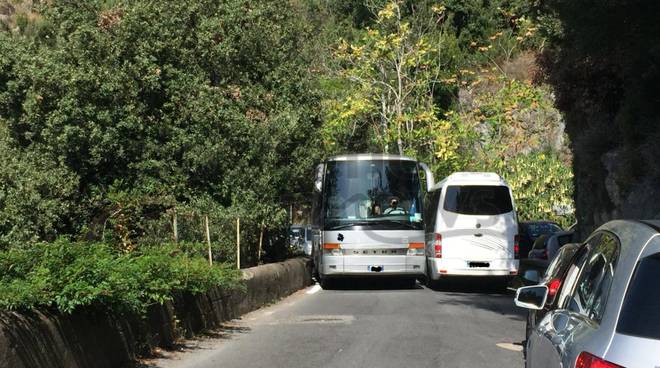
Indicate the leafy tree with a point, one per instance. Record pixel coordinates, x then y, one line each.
149 104
391 75
38 197
542 186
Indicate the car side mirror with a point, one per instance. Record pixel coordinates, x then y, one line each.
318 179
531 277
430 181
531 297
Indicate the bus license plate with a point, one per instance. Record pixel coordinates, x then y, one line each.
375 268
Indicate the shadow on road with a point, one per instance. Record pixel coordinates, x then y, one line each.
225 331
481 294
471 285
373 284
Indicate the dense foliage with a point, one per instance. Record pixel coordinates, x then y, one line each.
127 110
68 275
451 84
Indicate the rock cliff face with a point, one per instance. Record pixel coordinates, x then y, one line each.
607 80
11 9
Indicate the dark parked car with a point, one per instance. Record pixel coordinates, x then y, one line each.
546 246
607 309
529 231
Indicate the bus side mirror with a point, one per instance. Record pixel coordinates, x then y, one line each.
318 179
430 182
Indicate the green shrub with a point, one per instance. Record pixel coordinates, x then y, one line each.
69 275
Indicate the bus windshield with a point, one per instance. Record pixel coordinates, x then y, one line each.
373 194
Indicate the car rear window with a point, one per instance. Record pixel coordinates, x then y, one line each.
478 199
640 315
534 230
541 242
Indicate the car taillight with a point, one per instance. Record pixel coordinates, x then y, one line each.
553 287
586 360
516 247
437 245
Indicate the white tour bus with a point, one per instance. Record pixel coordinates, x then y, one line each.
367 217
471 227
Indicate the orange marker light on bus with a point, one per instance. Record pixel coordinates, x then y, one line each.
415 249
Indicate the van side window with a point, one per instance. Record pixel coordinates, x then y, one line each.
593 286
478 199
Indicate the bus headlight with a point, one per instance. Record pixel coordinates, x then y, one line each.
332 249
416 249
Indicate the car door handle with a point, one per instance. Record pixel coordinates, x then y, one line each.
478 235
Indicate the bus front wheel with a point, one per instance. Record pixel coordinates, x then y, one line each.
326 283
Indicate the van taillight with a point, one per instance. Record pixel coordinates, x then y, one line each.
437 245
516 247
586 360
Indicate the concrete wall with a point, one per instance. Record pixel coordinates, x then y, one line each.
94 338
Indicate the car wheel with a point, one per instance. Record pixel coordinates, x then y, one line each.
528 331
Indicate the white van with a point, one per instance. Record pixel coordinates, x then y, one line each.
471 227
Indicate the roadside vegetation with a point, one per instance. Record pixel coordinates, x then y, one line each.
68 275
454 84
116 118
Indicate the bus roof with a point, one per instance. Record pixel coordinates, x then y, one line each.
370 156
471 178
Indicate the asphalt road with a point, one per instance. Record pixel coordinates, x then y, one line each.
368 324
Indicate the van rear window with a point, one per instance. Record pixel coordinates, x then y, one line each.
640 315
478 199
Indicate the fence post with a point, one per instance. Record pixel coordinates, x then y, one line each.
261 241
238 243
208 239
175 228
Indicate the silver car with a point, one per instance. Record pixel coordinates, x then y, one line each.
608 311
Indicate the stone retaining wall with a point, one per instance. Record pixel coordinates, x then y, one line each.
93 338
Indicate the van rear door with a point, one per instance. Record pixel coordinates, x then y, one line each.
479 222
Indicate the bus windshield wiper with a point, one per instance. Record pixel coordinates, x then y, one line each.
350 224
398 222
380 221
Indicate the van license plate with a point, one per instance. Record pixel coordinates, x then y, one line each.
375 268
478 264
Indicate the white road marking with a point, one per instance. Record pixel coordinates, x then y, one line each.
316 319
314 289
510 346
